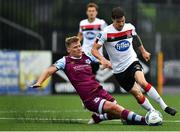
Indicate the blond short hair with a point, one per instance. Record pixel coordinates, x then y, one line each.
71 40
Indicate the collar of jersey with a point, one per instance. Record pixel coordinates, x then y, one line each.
75 57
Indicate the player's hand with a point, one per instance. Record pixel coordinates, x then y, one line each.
146 55
35 86
105 64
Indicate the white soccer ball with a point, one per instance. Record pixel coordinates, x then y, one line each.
153 118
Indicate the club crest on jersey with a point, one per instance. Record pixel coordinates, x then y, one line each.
122 45
87 61
90 35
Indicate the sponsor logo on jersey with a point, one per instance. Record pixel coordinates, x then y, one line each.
122 45
90 35
80 67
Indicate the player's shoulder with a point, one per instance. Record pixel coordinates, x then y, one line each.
129 26
60 64
83 22
87 54
66 59
108 28
62 59
100 20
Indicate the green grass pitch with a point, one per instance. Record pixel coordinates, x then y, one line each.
65 113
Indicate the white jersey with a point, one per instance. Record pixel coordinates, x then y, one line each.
119 46
90 31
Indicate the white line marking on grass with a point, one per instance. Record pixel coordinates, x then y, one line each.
56 119
43 111
42 119
176 121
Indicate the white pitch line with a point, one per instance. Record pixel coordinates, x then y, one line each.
42 119
44 111
56 119
176 121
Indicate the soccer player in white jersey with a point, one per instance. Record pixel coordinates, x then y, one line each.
76 65
90 27
118 39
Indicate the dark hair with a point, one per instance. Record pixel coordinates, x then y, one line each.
70 40
117 13
92 5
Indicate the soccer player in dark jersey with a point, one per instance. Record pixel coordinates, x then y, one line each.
77 67
118 40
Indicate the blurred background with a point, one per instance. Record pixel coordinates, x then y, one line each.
32 34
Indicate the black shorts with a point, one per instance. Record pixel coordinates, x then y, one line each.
126 79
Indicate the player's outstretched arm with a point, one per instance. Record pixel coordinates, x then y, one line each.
103 61
44 75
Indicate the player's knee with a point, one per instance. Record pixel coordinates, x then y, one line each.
114 107
139 95
111 107
136 92
143 83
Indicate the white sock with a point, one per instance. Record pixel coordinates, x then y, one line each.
152 93
103 116
147 105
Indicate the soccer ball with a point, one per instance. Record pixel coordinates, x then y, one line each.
153 118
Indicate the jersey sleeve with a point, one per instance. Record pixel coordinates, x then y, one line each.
133 30
103 25
94 59
101 38
60 64
80 29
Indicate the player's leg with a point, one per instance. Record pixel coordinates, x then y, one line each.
152 93
141 99
96 117
127 81
110 109
115 111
